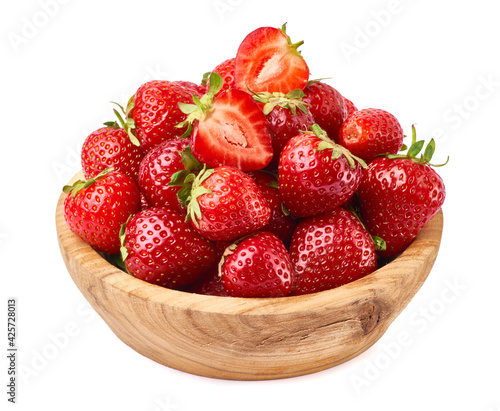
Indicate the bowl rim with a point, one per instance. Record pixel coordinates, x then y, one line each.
92 263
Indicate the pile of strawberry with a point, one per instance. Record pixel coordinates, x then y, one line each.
258 182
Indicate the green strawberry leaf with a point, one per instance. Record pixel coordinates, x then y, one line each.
112 124
216 83
415 148
187 108
204 79
429 151
295 94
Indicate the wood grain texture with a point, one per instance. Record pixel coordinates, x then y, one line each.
249 339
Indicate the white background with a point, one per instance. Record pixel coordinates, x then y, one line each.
433 63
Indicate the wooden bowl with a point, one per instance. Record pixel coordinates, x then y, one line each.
252 338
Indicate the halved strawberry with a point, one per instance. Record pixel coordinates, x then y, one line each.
267 60
229 130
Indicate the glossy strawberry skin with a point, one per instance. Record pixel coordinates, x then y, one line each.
310 181
327 106
283 125
192 88
350 107
330 250
226 71
156 112
267 62
280 224
96 213
370 132
258 267
234 207
234 133
163 249
397 198
110 147
156 170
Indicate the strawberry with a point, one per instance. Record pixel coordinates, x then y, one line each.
258 266
281 223
159 247
370 132
226 71
209 284
95 209
350 107
192 88
287 116
159 166
315 174
110 147
330 250
228 130
153 112
224 203
267 60
399 194
327 106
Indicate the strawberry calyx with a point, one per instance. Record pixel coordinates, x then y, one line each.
129 124
201 106
122 235
291 101
337 150
293 46
185 178
79 185
191 190
414 150
229 251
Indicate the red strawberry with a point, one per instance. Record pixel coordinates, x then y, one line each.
159 166
155 113
110 147
230 130
209 284
327 106
267 60
350 107
281 223
330 250
316 175
226 71
159 247
95 209
370 132
287 116
192 88
225 204
399 194
259 266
